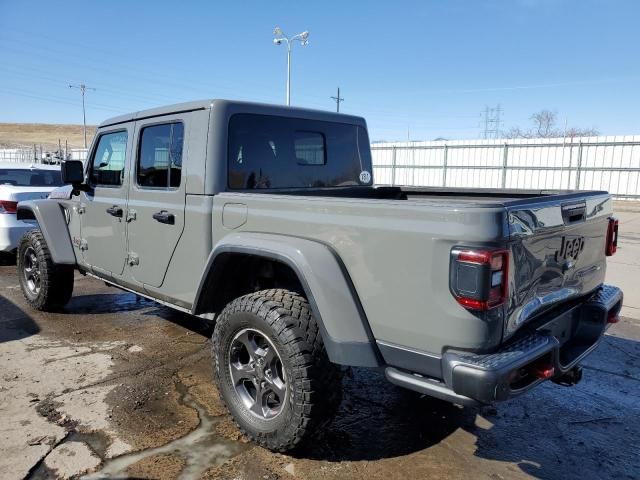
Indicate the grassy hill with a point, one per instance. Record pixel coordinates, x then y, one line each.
16 135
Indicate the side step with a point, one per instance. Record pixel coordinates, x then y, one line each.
427 386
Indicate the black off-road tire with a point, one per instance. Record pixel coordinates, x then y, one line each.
55 285
314 384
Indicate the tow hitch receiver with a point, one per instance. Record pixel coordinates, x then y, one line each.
571 378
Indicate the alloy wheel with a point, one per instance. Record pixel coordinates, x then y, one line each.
257 373
31 271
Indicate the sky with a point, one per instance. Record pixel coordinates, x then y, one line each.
415 70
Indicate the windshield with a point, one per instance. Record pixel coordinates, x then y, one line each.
30 178
270 152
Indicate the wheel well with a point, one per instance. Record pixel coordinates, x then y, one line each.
235 274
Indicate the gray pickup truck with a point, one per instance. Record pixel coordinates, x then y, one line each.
265 219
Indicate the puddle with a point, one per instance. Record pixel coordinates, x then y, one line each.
97 441
201 449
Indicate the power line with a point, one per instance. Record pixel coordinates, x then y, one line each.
49 98
338 99
83 88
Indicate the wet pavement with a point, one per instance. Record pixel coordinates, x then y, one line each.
119 387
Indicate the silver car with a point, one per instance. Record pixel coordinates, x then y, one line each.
19 182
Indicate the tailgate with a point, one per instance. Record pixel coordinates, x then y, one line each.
558 252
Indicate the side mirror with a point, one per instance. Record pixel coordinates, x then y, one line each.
72 172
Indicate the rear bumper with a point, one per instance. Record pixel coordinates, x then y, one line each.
551 351
11 230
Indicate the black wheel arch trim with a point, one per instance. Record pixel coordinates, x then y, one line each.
362 351
53 225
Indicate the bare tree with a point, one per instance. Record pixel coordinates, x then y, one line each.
581 132
515 132
544 122
544 126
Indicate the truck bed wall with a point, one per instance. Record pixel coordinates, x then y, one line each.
397 254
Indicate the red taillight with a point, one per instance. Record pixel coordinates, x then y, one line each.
612 237
8 207
613 317
479 278
542 369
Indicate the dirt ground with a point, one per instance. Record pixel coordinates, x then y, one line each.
121 387
15 135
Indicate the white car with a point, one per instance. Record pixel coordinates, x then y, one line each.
18 182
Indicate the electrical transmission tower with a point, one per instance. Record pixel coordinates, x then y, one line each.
492 121
83 88
338 99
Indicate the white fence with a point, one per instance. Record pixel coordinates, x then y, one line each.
589 163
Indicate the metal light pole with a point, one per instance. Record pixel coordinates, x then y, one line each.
281 37
83 88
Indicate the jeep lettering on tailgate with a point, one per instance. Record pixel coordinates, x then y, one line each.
570 247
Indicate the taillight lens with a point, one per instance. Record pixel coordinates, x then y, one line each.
479 278
8 207
612 237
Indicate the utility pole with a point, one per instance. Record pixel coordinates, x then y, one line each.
338 99
83 88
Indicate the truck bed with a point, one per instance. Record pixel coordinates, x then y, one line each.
486 197
396 245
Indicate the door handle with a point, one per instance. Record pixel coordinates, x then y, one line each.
116 211
164 217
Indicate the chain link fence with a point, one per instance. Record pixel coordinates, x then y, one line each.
39 155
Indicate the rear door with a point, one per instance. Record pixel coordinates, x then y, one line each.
558 252
156 198
102 221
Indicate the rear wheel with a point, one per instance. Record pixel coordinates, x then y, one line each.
45 285
272 370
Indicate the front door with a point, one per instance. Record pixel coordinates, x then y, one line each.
156 198
103 221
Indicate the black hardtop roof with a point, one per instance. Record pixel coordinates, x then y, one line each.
233 106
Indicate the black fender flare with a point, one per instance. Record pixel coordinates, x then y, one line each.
53 225
332 297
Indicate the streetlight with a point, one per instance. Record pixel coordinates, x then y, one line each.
281 37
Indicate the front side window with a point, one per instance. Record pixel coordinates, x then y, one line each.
107 168
160 156
272 152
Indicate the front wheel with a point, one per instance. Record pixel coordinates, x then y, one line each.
272 370
45 285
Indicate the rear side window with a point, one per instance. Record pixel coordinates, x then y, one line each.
272 152
107 167
160 156
30 177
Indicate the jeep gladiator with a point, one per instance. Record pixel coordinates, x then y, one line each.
265 219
